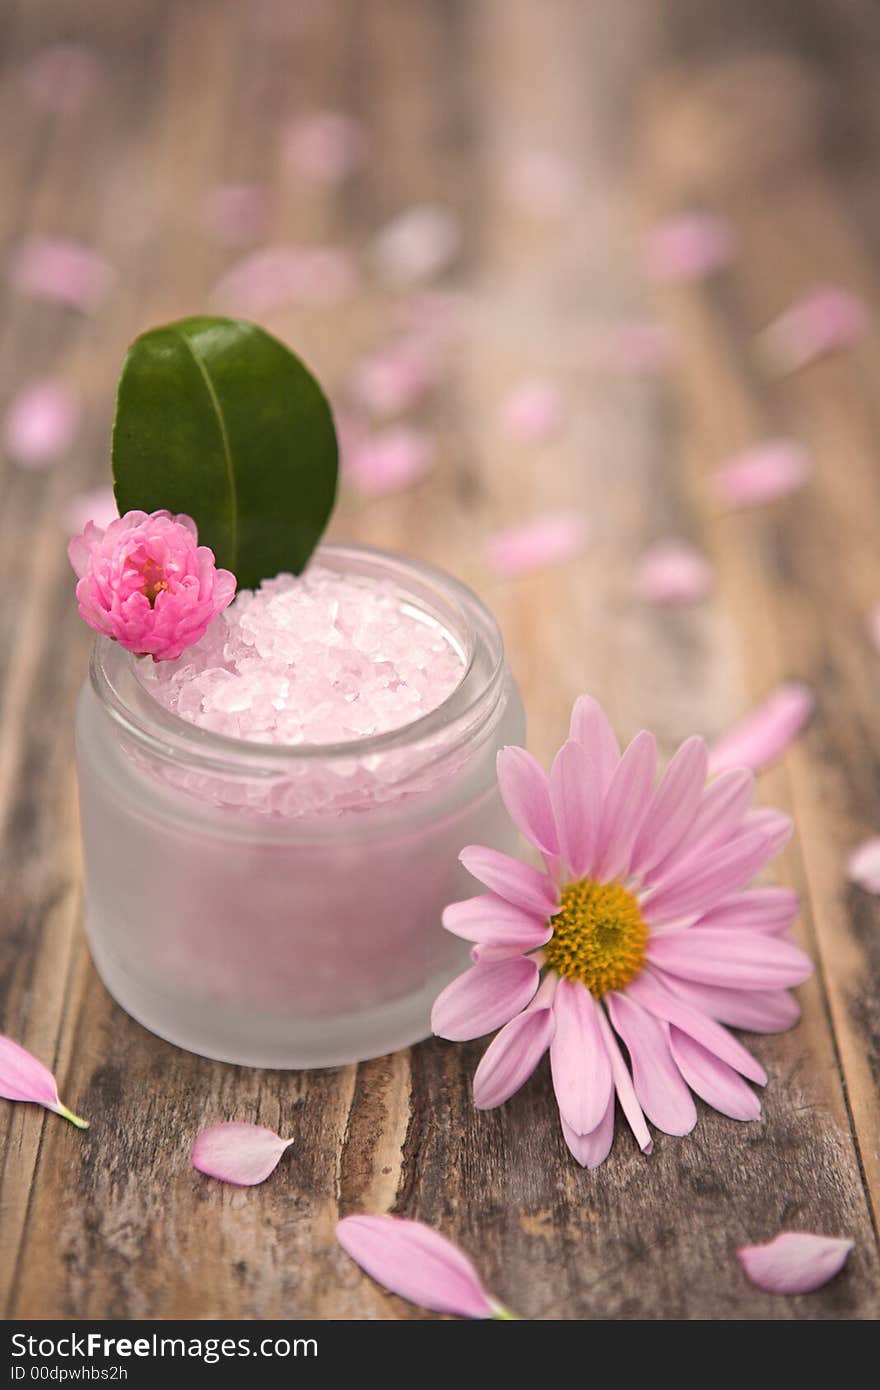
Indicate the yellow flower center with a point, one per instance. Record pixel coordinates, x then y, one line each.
154 581
599 936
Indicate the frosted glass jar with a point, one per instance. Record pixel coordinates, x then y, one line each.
280 906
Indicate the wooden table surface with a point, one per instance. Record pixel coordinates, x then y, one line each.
766 111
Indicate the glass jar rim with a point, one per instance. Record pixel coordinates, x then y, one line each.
167 735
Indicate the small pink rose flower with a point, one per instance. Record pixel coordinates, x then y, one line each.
145 582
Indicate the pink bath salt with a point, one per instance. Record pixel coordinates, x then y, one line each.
325 657
41 423
389 460
638 346
395 378
545 540
326 146
97 505
533 411
234 213
61 77
417 245
763 473
673 572
827 319
689 247
62 270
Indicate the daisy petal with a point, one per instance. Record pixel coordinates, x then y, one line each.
762 474
703 1030
688 247
717 956
673 806
23 1077
525 792
41 423
591 729
578 1060
623 1085
592 1149
757 1010
484 998
491 921
765 734
863 865
416 1263
549 539
697 882
795 1262
659 1085
533 411
576 794
520 884
241 1154
512 1056
723 804
713 1080
757 909
673 572
825 319
625 806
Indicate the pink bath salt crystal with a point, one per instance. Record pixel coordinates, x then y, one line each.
326 146
638 346
58 269
417 245
389 460
98 506
545 540
234 213
863 865
689 247
61 77
533 411
673 572
395 378
762 474
325 657
277 276
542 182
41 423
824 320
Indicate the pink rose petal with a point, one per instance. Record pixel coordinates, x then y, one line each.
389 461
546 540
673 572
764 735
416 1263
863 865
689 247
824 320
417 245
795 1261
533 411
326 146
640 347
98 506
61 77
241 1154
41 423
762 474
235 213
57 269
22 1077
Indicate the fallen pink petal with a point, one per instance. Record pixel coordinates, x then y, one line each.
326 146
389 461
545 540
240 1154
236 213
533 411
766 733
689 247
673 572
98 505
419 244
795 1261
61 77
394 379
827 319
415 1262
41 423
638 347
277 276
762 474
863 865
543 183
67 272
24 1078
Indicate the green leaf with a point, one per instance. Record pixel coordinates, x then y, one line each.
216 418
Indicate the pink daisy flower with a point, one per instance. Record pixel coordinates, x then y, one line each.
640 929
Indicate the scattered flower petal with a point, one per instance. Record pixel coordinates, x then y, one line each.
65 271
61 77
673 572
546 540
97 505
394 379
640 347
326 146
418 1264
389 460
795 1261
22 1077
824 320
863 865
278 276
241 1154
764 735
533 411
235 213
418 244
542 183
689 247
41 423
762 474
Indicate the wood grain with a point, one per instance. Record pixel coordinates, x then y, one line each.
765 112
